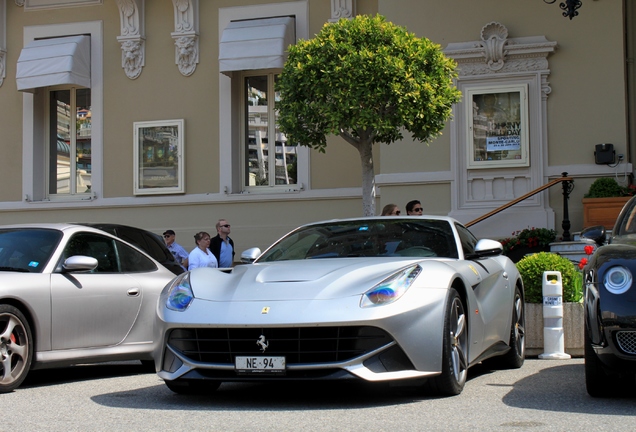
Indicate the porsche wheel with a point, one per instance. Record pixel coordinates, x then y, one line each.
194 387
515 357
454 349
16 348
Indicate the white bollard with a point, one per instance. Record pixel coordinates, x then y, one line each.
553 339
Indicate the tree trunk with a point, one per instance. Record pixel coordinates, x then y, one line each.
368 177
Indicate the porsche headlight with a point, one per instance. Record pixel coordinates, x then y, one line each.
180 293
618 280
392 288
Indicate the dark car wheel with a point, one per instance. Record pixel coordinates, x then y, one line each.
514 358
198 387
16 348
454 349
597 381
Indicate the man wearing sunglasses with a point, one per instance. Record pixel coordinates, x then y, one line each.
414 208
180 254
222 246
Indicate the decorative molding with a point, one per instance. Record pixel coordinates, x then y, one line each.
186 35
342 9
132 38
495 53
19 3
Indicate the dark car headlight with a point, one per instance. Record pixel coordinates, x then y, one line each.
392 288
180 293
618 280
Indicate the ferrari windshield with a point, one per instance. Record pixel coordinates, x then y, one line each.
386 237
27 250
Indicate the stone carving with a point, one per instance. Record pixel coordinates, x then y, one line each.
494 37
342 9
19 3
132 36
186 35
3 59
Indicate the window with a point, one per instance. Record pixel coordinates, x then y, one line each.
269 159
69 155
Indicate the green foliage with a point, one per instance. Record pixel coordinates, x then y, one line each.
365 79
607 187
529 237
532 267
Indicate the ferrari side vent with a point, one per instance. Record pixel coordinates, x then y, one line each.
298 344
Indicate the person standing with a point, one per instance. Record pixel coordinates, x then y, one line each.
414 208
179 253
201 255
222 246
390 210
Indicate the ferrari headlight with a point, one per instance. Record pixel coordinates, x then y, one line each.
618 280
392 288
180 293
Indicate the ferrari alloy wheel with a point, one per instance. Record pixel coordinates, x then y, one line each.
454 355
193 387
16 348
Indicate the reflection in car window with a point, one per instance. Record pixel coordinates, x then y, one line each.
27 250
367 238
467 240
96 246
132 261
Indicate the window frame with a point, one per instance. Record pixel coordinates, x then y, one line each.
35 142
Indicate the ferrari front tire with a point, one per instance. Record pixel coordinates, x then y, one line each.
515 357
454 349
193 387
16 348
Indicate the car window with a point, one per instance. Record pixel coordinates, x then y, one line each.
132 261
467 239
366 238
155 247
27 250
96 246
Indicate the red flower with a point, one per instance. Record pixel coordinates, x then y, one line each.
582 262
589 249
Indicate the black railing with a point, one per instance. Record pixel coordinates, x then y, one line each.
567 185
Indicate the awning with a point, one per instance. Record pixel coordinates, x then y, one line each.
48 62
256 44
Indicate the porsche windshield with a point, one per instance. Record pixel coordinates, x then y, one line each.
367 238
27 250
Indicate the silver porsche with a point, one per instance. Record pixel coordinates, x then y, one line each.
73 294
374 299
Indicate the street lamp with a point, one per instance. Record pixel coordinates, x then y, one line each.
569 7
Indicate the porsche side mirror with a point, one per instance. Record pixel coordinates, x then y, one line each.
250 255
79 263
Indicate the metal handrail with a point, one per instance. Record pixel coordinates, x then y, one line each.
567 183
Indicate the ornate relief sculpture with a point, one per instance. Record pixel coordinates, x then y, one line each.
3 59
132 36
342 9
19 2
494 37
186 35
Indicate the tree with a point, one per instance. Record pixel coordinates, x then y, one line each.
366 80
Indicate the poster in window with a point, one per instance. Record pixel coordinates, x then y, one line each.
498 127
158 157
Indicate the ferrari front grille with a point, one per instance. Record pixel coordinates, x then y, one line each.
626 341
298 344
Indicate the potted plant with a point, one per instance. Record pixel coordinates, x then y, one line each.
604 201
528 241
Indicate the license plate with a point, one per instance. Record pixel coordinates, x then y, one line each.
259 365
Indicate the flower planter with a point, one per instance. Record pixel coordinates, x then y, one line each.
602 211
573 323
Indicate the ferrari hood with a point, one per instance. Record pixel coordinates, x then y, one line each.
295 280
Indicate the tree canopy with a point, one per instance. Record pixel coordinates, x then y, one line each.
366 80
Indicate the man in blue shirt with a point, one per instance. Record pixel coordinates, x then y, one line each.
180 254
222 246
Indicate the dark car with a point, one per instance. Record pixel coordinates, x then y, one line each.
147 241
610 307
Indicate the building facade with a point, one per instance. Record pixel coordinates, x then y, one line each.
161 114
